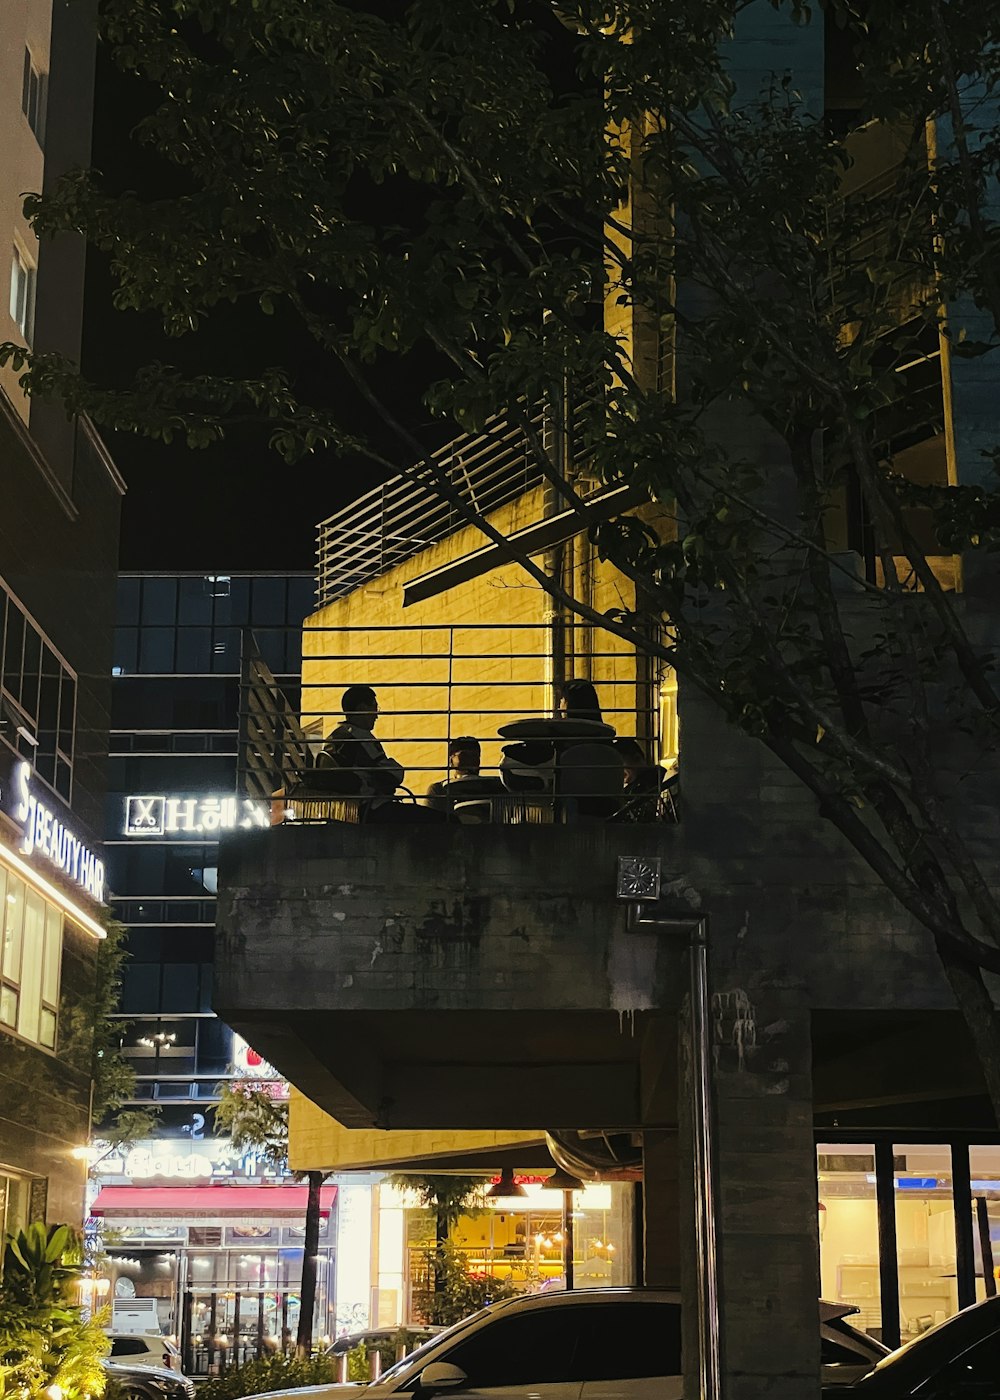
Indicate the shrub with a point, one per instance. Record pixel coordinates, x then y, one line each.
358 1365
45 1340
457 1292
269 1373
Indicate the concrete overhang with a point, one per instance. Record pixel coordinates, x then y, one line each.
452 978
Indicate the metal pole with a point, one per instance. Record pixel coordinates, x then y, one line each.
236 1329
965 1250
211 1329
983 1223
568 1237
187 1354
706 1247
260 1324
888 1258
709 1359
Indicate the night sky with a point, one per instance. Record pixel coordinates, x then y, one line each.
237 505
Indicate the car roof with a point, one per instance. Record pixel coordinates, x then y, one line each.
350 1340
833 1312
122 1368
912 1362
576 1297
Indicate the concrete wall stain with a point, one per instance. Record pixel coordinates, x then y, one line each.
461 920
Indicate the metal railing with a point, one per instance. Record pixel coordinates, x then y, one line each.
402 517
437 683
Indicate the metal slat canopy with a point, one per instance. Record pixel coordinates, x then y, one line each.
532 539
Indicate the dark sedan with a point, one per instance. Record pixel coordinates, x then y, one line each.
148 1382
958 1360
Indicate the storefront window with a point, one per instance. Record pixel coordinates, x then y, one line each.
848 1230
524 1240
925 1237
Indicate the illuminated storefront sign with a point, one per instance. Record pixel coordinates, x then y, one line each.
44 833
156 815
180 1160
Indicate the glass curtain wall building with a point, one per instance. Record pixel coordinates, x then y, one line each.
181 1243
172 787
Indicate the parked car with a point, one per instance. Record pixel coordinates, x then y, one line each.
957 1360
591 1344
144 1349
384 1339
845 1353
149 1382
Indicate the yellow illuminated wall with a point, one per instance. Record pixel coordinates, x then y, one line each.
437 675
318 1142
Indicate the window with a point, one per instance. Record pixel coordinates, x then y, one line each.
22 293
33 95
30 961
15 1194
573 1343
627 1341
37 697
834 1353
975 1375
848 1230
127 1346
536 1348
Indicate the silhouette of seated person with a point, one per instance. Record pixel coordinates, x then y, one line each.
582 768
590 772
362 764
578 700
644 783
464 782
355 753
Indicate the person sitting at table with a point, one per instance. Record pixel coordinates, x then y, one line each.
464 781
531 766
464 756
353 748
578 700
648 793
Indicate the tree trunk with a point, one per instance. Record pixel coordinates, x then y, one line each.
976 1005
310 1254
441 1232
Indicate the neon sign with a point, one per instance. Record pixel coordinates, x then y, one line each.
43 832
156 815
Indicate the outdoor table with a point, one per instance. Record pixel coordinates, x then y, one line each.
554 728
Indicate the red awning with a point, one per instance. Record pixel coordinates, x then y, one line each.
208 1200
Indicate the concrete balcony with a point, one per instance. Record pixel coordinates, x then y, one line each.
452 976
